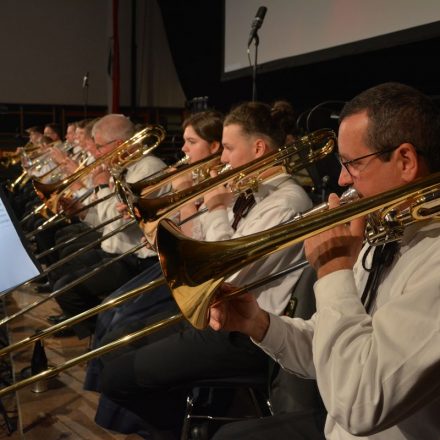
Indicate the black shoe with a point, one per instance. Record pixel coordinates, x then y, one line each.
65 333
44 287
56 319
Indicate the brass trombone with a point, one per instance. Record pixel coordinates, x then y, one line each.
241 177
316 146
325 139
11 158
194 286
211 263
30 162
117 159
130 193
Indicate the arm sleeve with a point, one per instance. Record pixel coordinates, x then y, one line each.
289 342
215 226
373 372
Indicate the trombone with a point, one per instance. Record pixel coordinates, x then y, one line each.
117 159
194 287
316 146
30 163
242 177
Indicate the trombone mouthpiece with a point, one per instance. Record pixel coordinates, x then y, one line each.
349 195
185 160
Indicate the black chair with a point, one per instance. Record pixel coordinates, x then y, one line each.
224 400
275 393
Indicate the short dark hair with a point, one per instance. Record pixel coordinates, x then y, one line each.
397 114
207 124
56 128
34 129
261 119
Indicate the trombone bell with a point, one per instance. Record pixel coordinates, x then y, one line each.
194 269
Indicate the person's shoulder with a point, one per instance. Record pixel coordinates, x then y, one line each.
289 197
152 160
289 189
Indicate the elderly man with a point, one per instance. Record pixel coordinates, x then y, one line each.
109 133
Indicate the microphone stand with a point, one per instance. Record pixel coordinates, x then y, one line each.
85 96
254 67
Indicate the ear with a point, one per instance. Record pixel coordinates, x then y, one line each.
214 147
408 161
260 148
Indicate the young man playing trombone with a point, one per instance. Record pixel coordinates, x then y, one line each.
156 376
373 346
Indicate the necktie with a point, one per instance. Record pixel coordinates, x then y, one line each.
382 259
244 203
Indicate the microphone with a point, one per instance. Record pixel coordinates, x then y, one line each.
256 23
85 80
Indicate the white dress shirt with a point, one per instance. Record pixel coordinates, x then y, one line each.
378 375
103 211
277 201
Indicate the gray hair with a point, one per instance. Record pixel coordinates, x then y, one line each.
114 127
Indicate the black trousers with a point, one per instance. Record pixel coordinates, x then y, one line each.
157 376
72 232
301 425
93 290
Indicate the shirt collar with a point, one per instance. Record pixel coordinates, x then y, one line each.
270 185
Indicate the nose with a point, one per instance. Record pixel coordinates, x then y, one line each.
185 148
345 178
224 157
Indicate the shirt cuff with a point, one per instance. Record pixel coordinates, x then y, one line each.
274 338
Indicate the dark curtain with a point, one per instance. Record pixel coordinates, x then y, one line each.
194 30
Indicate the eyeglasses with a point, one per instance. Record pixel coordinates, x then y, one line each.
100 146
353 166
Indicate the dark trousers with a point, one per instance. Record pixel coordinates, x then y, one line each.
94 289
301 425
157 376
72 232
129 317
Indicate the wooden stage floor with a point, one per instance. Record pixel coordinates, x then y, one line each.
65 411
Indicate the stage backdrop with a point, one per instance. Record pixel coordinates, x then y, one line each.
48 46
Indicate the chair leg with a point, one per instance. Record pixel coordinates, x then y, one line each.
187 420
258 405
254 400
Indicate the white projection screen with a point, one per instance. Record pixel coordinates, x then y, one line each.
298 32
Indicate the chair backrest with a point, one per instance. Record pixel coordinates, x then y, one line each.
290 393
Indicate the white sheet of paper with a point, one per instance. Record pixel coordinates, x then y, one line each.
16 266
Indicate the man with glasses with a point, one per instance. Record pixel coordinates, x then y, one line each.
373 344
108 134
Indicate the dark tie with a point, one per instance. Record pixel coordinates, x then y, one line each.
382 259
244 203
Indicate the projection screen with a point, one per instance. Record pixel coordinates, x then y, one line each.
298 32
